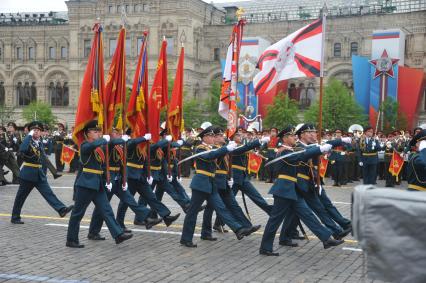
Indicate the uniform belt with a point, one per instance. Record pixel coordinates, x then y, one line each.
31 165
115 169
369 153
389 153
155 168
134 165
221 172
337 150
303 176
239 167
416 187
59 141
202 172
94 171
185 147
287 177
271 147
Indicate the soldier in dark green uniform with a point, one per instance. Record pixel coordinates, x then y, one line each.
33 175
90 187
416 168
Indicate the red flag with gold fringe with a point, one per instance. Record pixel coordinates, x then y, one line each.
115 87
175 111
92 97
395 165
158 98
137 109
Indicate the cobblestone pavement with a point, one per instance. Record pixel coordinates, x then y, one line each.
36 252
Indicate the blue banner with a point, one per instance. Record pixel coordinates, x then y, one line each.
361 79
247 100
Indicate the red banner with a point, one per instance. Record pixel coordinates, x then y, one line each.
115 87
396 164
158 98
91 99
254 163
67 154
175 111
411 84
137 108
323 166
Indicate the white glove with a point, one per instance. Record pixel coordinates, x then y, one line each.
373 144
361 163
326 157
180 142
401 154
231 146
125 138
45 141
169 178
31 133
347 140
265 139
169 138
231 182
125 187
179 180
388 144
422 145
325 147
150 180
15 139
147 136
108 186
106 137
343 153
6 149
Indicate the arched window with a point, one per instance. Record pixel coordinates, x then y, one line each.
354 48
58 93
26 93
337 50
2 93
31 53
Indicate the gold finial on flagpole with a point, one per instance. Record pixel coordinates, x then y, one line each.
239 13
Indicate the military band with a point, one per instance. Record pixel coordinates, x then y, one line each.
220 171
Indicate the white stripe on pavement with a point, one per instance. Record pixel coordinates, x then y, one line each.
26 277
133 230
239 197
351 249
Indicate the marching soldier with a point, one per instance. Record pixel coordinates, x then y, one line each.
224 188
116 166
139 181
90 187
239 171
58 138
272 145
315 197
416 166
287 202
33 175
204 188
389 149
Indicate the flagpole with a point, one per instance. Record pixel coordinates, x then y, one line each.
123 99
181 119
148 151
104 110
324 17
169 168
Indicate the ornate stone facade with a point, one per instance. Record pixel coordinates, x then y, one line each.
47 61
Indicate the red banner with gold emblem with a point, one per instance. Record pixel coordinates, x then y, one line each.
254 163
67 154
395 164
